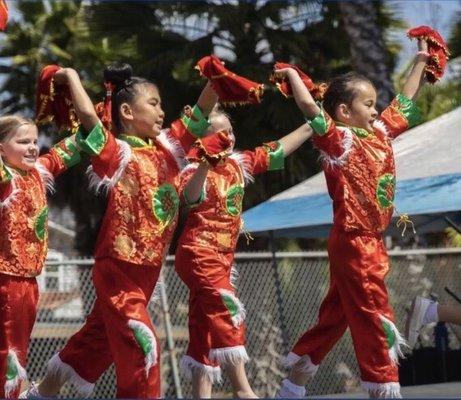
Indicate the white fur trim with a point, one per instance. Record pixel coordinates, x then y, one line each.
334 162
234 276
238 318
151 357
104 184
156 294
303 363
389 390
173 146
245 166
381 126
188 365
56 367
12 384
46 177
396 350
229 355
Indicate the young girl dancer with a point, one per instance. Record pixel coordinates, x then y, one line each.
355 145
24 179
205 255
139 168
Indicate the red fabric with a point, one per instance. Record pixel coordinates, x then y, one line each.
230 87
437 48
210 324
212 148
356 298
54 102
18 305
284 86
3 15
123 292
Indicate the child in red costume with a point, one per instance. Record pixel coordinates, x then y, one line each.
204 259
24 180
355 145
139 168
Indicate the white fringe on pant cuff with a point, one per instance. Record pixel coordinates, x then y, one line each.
57 367
21 374
303 363
229 355
389 390
189 365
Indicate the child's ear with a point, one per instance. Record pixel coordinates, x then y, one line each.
343 111
126 112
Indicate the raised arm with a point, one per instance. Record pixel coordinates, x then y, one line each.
303 98
295 139
416 78
207 99
83 105
194 189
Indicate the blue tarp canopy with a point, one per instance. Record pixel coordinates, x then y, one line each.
428 163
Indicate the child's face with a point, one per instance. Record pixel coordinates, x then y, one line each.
145 117
361 113
20 149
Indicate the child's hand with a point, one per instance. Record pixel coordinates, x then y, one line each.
283 73
62 76
422 45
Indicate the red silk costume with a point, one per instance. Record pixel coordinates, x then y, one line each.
142 181
205 255
360 174
23 248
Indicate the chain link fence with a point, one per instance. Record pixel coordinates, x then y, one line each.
282 294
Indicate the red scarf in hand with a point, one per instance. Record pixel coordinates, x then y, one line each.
211 149
437 48
230 88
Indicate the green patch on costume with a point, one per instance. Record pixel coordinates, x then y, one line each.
385 190
230 304
196 123
165 203
408 109
276 155
5 175
12 370
93 142
40 224
68 152
144 339
390 334
234 199
133 141
360 132
319 123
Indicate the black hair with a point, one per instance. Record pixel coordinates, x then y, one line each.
126 87
341 91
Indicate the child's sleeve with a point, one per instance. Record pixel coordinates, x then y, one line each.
327 137
268 157
61 156
183 179
189 127
109 156
400 115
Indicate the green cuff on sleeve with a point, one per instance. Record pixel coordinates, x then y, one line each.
318 123
276 156
93 142
408 109
196 124
68 152
191 204
5 175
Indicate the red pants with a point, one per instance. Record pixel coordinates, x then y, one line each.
358 299
117 330
18 308
216 330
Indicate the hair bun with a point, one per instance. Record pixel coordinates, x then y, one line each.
118 74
